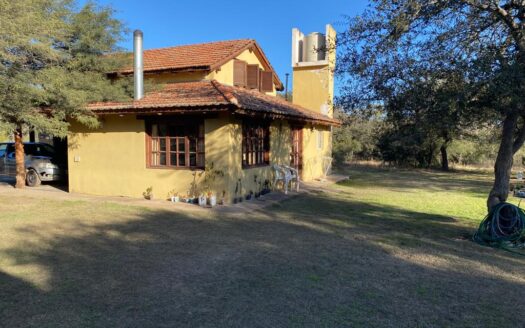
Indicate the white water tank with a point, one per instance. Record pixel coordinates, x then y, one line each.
314 47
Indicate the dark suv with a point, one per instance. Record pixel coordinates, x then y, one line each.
40 161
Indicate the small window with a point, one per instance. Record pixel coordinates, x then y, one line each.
10 151
255 144
176 145
3 149
320 139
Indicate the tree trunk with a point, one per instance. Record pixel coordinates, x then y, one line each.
444 156
503 166
444 153
20 160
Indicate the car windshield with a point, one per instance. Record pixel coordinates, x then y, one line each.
39 150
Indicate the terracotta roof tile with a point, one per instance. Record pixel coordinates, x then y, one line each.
204 56
212 95
176 95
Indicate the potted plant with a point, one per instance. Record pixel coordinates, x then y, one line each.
257 193
173 196
266 188
212 199
210 175
202 200
148 194
238 192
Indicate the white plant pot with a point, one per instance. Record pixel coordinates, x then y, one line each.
175 199
213 201
202 201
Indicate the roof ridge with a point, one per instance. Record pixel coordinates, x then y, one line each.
194 44
233 53
225 93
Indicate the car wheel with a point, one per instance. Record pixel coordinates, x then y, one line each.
32 179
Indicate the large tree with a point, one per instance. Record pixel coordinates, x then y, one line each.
52 64
482 39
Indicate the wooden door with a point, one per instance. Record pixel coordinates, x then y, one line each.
296 156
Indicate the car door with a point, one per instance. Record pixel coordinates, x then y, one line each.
3 153
10 160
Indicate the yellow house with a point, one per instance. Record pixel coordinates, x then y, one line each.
216 107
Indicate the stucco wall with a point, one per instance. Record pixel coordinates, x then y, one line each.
112 159
315 158
313 87
251 177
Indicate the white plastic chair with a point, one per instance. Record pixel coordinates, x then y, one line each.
294 176
281 174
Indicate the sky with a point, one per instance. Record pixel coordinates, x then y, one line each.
168 23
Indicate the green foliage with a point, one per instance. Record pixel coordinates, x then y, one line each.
439 69
52 63
210 175
358 137
409 145
148 193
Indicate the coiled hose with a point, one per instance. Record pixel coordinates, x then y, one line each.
503 227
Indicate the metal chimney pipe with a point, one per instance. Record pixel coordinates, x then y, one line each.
138 65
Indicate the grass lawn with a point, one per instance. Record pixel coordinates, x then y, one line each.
387 248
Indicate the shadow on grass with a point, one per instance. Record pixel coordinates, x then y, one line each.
311 261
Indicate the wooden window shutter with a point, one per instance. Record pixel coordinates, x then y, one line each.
252 81
266 81
239 73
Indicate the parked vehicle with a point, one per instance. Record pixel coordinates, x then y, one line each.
40 162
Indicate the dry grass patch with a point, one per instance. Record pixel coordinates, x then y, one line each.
383 249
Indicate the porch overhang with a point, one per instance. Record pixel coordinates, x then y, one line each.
213 97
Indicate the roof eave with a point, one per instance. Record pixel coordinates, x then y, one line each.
163 109
312 120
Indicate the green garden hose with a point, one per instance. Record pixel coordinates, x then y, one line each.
503 227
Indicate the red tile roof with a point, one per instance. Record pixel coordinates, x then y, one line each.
210 96
204 56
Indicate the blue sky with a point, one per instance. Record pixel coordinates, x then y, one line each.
168 23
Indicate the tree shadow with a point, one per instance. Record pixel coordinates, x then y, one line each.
310 261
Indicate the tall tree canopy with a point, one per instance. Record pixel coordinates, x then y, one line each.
52 64
481 41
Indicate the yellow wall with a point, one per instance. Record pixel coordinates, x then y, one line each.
313 87
112 159
315 158
279 154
